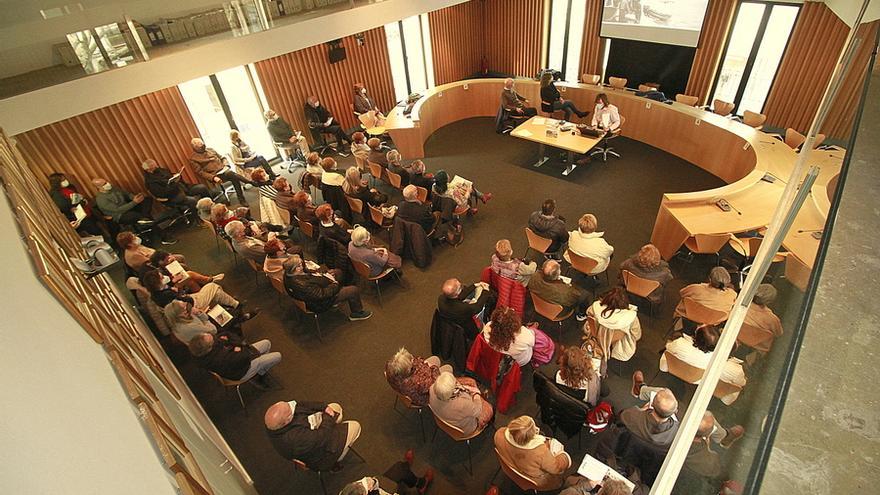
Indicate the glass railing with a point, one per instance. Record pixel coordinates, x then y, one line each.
43 47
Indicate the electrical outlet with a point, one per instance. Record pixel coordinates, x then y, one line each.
562 89
648 104
745 146
697 122
465 87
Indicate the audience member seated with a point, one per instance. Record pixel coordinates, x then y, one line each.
541 459
548 225
613 313
697 351
504 264
313 167
586 242
323 121
459 403
321 291
549 286
125 208
460 304
578 377
331 176
360 149
506 334
648 264
411 210
211 294
364 104
244 157
276 256
377 258
249 247
578 485
717 293
418 177
135 254
229 357
356 187
204 206
515 103
413 376
465 194
161 183
187 321
266 186
605 115
221 215
654 423
67 197
760 315
331 227
394 165
376 154
213 167
281 132
401 473
311 432
189 280
701 459
304 209
284 195
552 101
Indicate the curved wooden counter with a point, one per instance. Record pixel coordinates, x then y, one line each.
730 150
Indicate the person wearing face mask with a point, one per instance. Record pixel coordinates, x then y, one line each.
322 121
163 185
288 138
542 459
605 116
244 157
135 254
68 199
129 209
363 104
214 168
515 103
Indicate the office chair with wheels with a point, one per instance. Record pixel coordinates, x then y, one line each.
290 154
604 148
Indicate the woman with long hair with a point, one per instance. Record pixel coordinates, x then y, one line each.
613 313
578 377
507 335
552 101
356 187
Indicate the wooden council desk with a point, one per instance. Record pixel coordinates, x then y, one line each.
734 152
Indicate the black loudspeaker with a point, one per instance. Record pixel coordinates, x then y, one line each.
642 62
337 51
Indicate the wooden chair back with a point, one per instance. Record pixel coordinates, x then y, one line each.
794 139
682 370
361 163
644 88
521 480
376 215
405 399
617 82
302 306
227 382
362 269
708 243
820 138
393 179
722 108
754 119
754 337
356 205
254 266
278 285
536 242
637 285
375 170
300 465
688 100
454 432
580 263
307 228
701 314
723 389
548 309
422 194
591 78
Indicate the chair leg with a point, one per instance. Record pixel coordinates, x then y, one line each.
470 460
240 399
422 425
318 328
492 481
379 293
321 479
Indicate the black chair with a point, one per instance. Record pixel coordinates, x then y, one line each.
450 342
559 411
506 121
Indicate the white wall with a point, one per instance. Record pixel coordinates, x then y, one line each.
67 425
849 9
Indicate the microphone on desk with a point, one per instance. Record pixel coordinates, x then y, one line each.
725 205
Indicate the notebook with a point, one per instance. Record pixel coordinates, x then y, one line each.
596 470
177 271
220 315
79 213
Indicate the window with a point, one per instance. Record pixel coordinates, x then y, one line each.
566 35
101 48
409 50
224 101
754 49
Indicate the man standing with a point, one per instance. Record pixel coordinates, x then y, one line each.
515 103
162 184
321 120
214 168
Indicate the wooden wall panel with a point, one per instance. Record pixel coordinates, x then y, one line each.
716 25
806 67
513 35
591 48
111 142
290 78
840 118
456 41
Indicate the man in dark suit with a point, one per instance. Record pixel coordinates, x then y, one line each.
226 355
323 121
411 210
163 185
454 306
321 291
514 102
311 432
550 287
547 224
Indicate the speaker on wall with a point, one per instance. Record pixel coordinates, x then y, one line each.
337 51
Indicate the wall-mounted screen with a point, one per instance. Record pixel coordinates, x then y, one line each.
672 22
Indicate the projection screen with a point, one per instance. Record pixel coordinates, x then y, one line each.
672 22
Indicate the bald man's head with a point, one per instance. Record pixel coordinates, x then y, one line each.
707 424
551 270
664 404
451 288
278 415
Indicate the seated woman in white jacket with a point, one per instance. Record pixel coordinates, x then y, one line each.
507 335
613 312
697 350
585 241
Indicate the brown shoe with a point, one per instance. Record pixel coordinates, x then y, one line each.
493 490
638 382
733 434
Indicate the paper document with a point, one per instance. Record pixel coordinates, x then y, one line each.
478 291
177 271
315 420
79 212
556 448
596 470
539 120
565 279
524 133
174 177
220 315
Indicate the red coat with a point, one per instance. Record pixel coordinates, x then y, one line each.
511 293
484 361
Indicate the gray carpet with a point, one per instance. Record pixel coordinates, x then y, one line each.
347 367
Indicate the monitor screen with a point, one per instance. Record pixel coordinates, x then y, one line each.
672 22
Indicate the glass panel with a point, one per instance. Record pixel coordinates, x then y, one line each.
115 45
412 36
395 58
557 34
772 47
426 43
246 110
86 49
738 49
575 40
204 106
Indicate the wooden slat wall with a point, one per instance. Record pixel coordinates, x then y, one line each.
706 60
806 67
290 78
513 32
591 48
111 142
456 41
840 118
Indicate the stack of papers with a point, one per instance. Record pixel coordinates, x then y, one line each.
596 470
539 120
524 133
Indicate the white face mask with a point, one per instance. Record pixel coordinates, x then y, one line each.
107 187
600 106
364 91
317 104
137 241
65 183
166 280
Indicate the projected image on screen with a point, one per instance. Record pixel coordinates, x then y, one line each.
673 22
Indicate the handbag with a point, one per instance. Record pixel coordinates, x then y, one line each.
544 348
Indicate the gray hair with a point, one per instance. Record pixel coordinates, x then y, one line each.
444 386
201 344
270 114
401 364
205 205
410 192
393 156
234 228
353 488
146 164
764 295
551 269
719 278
